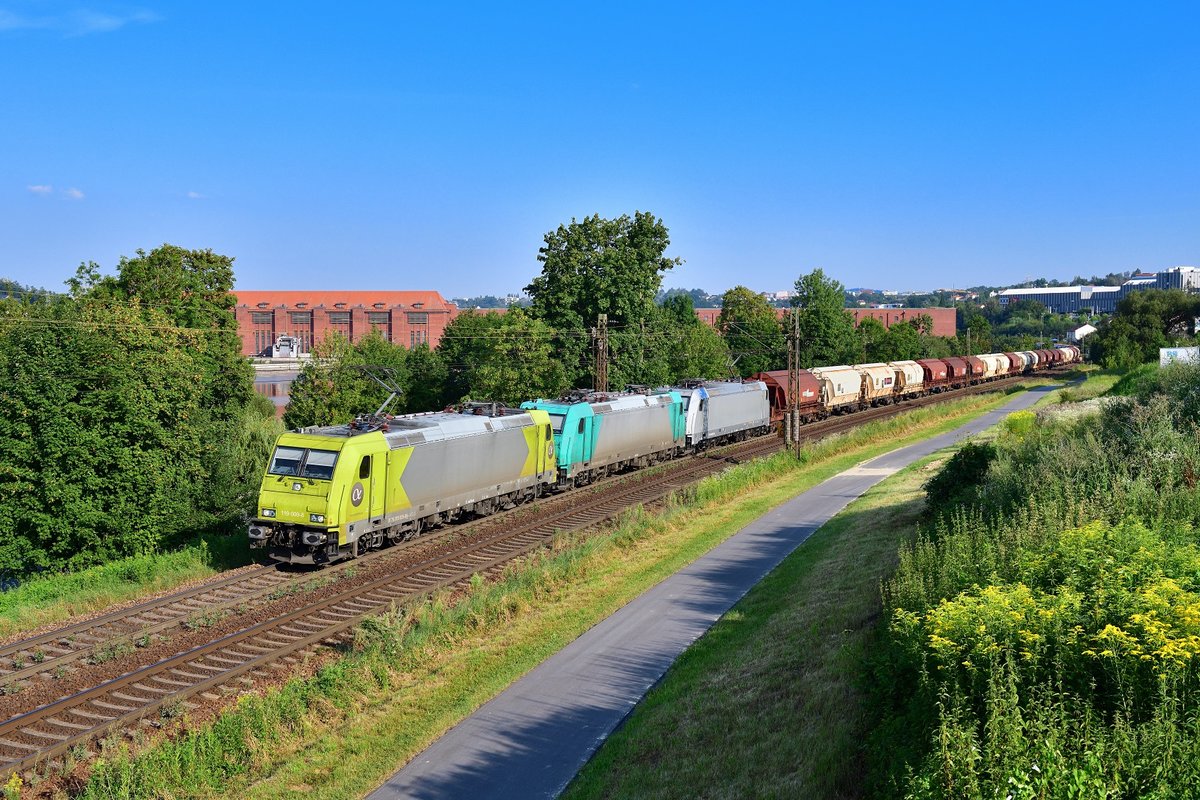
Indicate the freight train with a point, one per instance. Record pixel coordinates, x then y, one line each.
337 491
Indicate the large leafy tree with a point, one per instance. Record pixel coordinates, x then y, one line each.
826 328
100 456
1145 321
669 345
193 289
598 266
127 415
752 331
427 375
336 385
506 357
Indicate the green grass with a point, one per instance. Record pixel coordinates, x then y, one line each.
53 598
766 704
1133 381
421 669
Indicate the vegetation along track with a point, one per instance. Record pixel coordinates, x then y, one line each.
43 734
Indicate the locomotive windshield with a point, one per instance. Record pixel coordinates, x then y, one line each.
556 422
287 461
319 464
297 461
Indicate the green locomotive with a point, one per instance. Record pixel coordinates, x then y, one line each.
335 492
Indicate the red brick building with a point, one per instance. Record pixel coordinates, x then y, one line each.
944 319
404 318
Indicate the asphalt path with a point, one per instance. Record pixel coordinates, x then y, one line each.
531 739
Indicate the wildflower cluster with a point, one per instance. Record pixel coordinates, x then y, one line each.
1045 638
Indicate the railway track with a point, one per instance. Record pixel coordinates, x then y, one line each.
43 734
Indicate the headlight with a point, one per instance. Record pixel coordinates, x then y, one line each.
316 517
268 512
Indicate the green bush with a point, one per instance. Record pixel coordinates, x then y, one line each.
1045 642
956 482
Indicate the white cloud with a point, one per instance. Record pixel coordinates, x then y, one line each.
79 22
40 189
73 193
195 196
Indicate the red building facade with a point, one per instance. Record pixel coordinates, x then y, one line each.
404 318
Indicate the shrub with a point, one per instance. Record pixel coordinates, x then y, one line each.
956 483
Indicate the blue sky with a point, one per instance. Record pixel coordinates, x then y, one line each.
386 145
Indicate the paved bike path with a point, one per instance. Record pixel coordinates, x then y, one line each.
531 739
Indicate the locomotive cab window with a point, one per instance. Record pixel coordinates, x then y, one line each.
319 464
581 426
286 461
556 422
303 463
364 469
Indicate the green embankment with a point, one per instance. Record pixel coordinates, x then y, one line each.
767 703
419 670
1044 641
54 598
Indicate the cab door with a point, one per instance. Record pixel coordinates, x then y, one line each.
366 493
375 481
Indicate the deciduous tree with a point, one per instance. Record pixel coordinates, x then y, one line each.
752 331
506 357
598 266
826 328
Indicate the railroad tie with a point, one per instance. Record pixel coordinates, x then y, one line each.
99 718
114 707
142 687
62 723
28 748
223 660
50 737
171 681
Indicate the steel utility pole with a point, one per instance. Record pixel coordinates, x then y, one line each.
600 382
791 417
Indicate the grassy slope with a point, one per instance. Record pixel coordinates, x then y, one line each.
54 598
345 747
765 704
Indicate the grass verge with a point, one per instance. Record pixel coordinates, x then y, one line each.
44 600
422 668
766 704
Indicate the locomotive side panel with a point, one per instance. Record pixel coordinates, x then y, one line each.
726 409
634 429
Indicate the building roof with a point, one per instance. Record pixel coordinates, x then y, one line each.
427 300
1043 290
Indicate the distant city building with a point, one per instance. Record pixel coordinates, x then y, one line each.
1103 299
404 318
944 319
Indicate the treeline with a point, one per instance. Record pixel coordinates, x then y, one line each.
128 418
1042 636
1144 322
595 267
